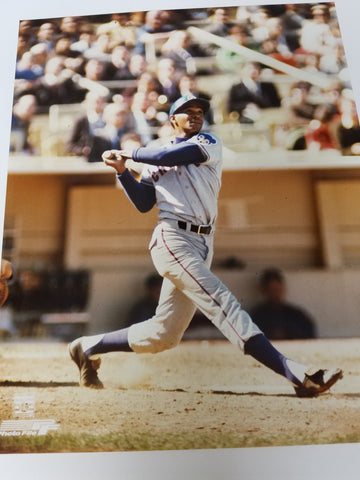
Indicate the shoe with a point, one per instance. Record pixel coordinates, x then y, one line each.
88 368
318 381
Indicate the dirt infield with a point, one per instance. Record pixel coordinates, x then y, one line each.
203 394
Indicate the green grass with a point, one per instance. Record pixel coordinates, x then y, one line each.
112 442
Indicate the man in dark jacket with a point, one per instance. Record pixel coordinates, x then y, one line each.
250 95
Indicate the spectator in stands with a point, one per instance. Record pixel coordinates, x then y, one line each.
275 33
145 117
155 22
333 62
150 85
23 45
219 22
321 132
26 71
120 29
272 48
100 49
46 34
168 76
348 132
26 30
250 95
118 121
135 67
179 48
75 65
165 133
332 93
258 20
65 85
243 14
130 141
292 22
22 116
56 86
316 36
308 62
298 112
40 55
71 26
146 306
275 316
83 140
86 40
118 67
95 70
31 66
63 45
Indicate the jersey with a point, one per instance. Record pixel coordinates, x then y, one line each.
189 192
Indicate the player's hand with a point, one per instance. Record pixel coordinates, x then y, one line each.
115 159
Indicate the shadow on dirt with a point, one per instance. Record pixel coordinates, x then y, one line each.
20 383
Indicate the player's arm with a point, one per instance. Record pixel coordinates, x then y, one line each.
141 195
183 153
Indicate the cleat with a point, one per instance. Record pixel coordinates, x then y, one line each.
88 368
318 381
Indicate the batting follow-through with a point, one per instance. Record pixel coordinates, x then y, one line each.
183 180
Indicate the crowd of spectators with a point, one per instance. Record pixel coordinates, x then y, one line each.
125 84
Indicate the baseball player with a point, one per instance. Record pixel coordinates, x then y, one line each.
183 180
6 274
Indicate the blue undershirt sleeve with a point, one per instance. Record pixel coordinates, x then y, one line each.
183 153
141 195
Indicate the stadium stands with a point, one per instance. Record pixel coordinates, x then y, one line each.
60 91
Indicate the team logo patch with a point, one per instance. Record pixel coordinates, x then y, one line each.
205 139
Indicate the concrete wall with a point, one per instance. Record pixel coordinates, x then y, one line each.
331 298
266 218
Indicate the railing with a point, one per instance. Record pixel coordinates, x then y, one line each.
321 80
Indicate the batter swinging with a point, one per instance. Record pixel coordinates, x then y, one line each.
183 179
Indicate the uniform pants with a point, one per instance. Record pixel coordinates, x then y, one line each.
183 259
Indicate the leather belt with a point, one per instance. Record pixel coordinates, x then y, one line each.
199 229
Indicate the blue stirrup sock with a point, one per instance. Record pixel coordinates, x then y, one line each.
258 347
116 341
262 350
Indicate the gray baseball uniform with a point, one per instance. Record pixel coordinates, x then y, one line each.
188 194
184 180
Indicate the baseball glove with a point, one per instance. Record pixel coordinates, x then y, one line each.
4 292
